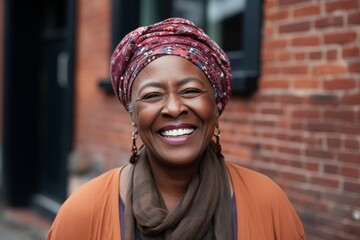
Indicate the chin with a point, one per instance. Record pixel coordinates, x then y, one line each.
180 158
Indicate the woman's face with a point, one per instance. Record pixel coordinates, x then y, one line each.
174 111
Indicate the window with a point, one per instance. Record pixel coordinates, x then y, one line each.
234 24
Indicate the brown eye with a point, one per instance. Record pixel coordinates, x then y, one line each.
154 96
191 92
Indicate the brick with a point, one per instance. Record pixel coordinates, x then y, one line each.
331 55
330 168
289 150
354 67
292 176
333 142
352 187
262 98
307 11
289 99
315 55
349 128
300 56
306 41
342 199
340 37
270 70
274 84
296 69
329 69
323 99
349 157
354 18
351 99
352 144
284 56
297 126
272 111
264 123
313 141
341 5
319 154
294 27
329 22
321 127
306 84
306 114
314 167
268 56
326 182
351 52
349 172
343 115
269 30
280 15
270 44
268 4
288 2
340 84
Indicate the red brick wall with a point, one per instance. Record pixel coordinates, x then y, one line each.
102 127
302 128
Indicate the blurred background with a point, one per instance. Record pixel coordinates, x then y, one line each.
294 114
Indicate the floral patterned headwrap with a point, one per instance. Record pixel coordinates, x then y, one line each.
173 36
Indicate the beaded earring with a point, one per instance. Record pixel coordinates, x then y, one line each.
217 145
134 150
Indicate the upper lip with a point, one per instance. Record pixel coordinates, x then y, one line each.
177 126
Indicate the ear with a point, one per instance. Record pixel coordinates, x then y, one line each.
217 115
133 119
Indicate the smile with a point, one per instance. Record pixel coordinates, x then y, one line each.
177 132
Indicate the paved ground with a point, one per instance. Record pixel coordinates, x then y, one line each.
12 232
21 225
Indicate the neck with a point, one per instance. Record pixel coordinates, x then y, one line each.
172 182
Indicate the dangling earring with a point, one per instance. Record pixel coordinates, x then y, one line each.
217 146
134 151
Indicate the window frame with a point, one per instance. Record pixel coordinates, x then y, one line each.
245 64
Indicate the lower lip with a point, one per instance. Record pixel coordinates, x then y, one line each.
177 140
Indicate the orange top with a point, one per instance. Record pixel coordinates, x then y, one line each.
263 210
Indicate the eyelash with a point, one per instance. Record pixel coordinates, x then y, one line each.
189 92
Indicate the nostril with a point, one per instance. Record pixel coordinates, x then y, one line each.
173 106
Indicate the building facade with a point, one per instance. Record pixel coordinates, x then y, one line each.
294 114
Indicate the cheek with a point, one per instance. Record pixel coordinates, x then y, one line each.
145 115
204 107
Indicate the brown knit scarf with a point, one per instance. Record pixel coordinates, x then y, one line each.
204 212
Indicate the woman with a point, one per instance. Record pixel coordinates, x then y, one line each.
175 82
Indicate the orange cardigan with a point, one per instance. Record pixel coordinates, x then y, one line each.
263 210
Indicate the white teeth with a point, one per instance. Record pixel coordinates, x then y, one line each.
177 132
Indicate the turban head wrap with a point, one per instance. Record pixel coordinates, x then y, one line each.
173 36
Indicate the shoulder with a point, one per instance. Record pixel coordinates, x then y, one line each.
261 200
256 186
252 180
93 202
96 188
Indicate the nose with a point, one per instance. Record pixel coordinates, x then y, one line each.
173 106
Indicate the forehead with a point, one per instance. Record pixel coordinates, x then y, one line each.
169 69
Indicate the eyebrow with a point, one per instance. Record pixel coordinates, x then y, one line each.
178 84
150 84
187 80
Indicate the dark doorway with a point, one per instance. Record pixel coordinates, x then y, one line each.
39 36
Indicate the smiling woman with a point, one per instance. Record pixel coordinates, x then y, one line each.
175 82
174 111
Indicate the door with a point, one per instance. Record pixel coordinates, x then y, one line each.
39 38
